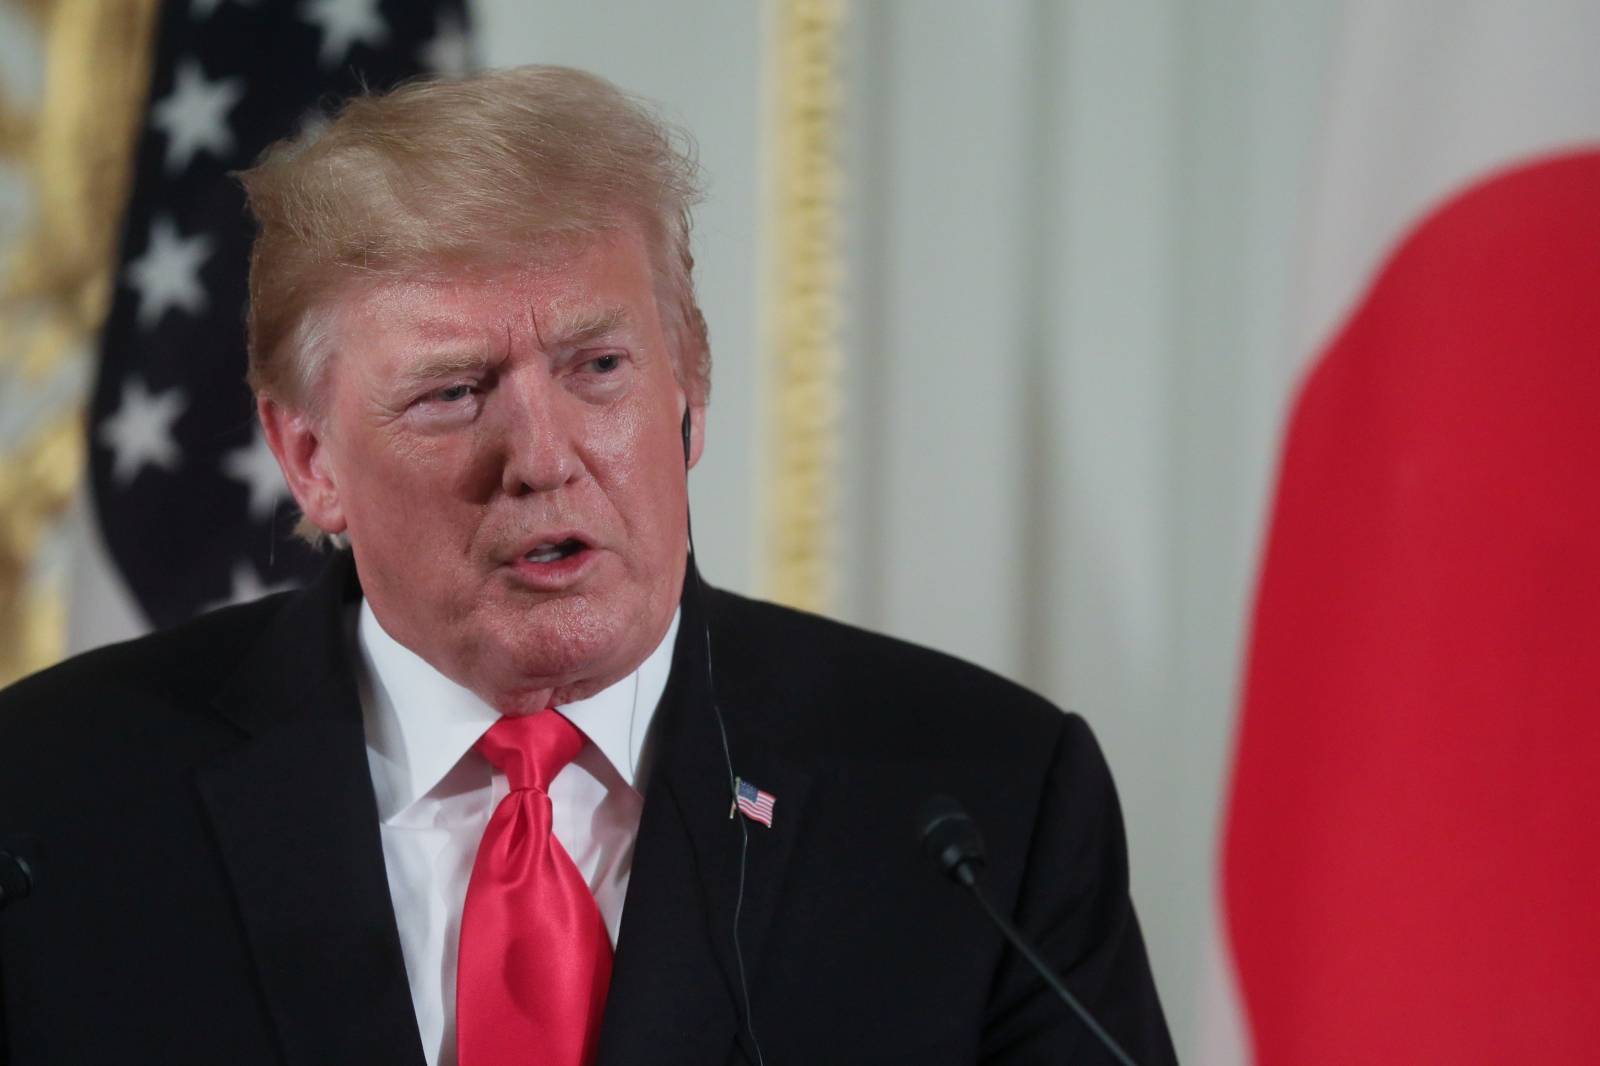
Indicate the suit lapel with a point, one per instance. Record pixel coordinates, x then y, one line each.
297 828
676 986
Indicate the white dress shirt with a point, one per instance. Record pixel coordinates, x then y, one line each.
435 795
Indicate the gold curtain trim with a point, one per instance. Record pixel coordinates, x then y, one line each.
55 284
801 308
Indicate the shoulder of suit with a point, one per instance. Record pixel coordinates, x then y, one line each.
884 691
175 670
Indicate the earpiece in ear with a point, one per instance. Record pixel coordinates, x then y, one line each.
686 436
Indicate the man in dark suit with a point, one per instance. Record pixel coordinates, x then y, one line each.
471 797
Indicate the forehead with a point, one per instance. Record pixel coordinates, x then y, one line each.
574 286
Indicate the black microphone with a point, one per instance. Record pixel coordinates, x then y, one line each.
951 839
16 878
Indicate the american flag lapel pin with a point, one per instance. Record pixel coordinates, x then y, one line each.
752 802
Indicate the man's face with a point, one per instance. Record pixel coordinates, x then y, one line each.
505 454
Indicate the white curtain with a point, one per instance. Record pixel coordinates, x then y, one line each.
1072 234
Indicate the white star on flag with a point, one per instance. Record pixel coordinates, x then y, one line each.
345 23
450 51
258 470
140 433
194 115
168 273
247 586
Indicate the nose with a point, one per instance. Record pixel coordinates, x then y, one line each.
539 452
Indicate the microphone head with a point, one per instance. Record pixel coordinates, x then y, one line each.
950 838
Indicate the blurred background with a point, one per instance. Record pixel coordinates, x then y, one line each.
1010 307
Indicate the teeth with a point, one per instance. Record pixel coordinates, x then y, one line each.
549 553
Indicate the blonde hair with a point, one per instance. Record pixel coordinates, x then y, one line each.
439 176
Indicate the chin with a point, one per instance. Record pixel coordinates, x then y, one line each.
566 646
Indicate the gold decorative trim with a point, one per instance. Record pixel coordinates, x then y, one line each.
801 306
44 471
55 283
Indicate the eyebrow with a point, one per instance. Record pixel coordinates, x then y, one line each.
578 329
445 363
583 327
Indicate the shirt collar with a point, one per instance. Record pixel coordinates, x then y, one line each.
419 723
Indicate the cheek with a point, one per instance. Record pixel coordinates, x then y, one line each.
620 438
638 458
407 483
469 468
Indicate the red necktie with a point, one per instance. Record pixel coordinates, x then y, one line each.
535 956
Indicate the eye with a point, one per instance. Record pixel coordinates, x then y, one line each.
452 393
598 376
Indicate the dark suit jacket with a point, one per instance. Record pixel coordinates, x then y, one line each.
210 885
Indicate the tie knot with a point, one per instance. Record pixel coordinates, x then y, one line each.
530 749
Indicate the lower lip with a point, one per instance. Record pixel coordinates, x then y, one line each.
556 575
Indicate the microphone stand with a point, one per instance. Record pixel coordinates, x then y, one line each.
1055 983
951 840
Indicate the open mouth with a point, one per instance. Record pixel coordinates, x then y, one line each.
555 552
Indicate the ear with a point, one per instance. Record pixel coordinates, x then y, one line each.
298 443
697 432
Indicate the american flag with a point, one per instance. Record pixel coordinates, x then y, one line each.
188 500
752 802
